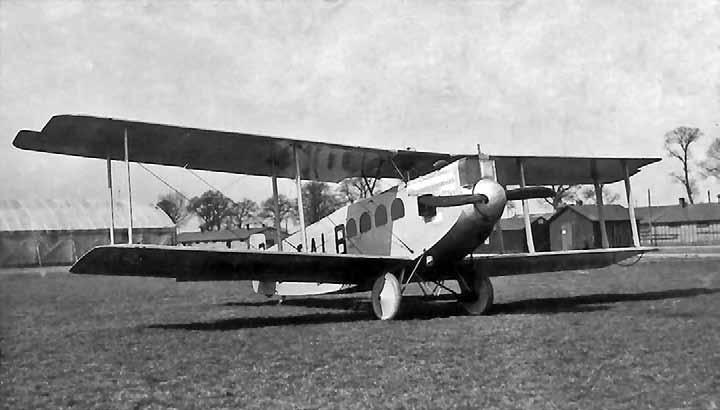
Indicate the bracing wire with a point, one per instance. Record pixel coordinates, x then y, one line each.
163 181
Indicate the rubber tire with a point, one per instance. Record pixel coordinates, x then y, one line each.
385 296
479 298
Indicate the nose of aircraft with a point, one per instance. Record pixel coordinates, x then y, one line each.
495 194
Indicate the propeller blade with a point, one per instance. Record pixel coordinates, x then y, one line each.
532 192
452 200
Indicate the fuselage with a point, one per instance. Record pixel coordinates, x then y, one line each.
395 223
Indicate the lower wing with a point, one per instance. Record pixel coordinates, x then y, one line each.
191 264
524 263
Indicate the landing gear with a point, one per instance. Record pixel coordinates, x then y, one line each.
477 293
385 296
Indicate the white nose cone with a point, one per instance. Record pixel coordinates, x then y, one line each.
496 198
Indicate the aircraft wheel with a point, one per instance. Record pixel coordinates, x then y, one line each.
386 296
479 298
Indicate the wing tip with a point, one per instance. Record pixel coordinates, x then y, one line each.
24 139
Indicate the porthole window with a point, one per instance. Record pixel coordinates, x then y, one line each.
397 209
380 215
365 222
351 228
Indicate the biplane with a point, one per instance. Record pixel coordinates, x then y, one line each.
423 230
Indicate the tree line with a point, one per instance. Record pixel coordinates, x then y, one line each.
217 211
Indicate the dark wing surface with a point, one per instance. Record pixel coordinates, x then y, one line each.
222 151
525 263
192 264
253 154
549 170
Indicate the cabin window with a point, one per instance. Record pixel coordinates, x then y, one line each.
381 215
365 222
351 228
397 209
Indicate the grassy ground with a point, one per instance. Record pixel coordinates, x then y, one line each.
643 336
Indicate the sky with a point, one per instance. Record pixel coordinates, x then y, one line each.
604 78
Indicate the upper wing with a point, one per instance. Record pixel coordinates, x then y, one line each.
252 154
190 264
548 170
524 263
222 151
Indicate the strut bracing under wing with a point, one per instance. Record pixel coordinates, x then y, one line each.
192 264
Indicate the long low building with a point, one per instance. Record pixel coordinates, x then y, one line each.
261 237
58 232
682 224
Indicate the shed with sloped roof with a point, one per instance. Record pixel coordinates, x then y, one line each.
578 227
513 235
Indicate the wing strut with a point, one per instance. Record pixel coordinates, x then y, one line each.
301 212
127 163
600 206
276 204
526 211
112 202
631 207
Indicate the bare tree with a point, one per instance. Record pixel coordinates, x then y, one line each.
241 210
563 195
318 201
213 208
587 194
174 205
287 207
352 189
677 145
711 164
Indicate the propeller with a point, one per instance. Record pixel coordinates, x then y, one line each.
452 200
511 195
532 192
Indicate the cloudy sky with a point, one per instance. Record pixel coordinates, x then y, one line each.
518 77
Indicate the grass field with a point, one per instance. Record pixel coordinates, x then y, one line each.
643 336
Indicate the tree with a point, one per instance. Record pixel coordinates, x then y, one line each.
677 145
287 207
587 194
711 164
213 208
174 205
318 201
563 195
352 189
241 210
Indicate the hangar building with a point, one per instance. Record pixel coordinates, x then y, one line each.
57 232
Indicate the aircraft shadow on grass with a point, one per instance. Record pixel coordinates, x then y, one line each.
354 309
